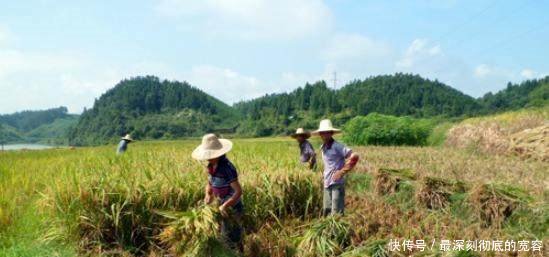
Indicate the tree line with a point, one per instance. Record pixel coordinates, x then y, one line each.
148 107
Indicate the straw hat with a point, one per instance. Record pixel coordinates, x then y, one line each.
326 126
301 131
127 137
211 147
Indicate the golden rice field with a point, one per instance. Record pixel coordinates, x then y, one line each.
90 202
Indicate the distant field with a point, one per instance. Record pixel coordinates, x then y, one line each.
89 201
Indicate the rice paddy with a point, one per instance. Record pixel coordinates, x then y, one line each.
148 202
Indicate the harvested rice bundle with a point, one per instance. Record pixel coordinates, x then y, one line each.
496 202
194 233
327 237
435 192
531 143
388 180
375 248
489 137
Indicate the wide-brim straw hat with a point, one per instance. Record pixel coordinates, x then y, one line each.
127 137
301 132
211 147
326 126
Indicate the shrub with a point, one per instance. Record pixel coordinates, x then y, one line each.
378 129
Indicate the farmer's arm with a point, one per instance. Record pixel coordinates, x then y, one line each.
350 162
312 156
235 185
312 161
208 194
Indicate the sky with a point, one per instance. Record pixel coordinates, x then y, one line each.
67 53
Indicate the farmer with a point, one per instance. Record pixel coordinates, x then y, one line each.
338 161
307 153
123 145
224 186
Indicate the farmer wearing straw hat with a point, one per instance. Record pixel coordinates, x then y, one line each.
338 160
123 145
307 153
223 184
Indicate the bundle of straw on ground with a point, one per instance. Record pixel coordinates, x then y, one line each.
489 137
494 203
388 181
195 233
434 193
531 143
326 237
523 133
372 248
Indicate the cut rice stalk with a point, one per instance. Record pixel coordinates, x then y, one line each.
388 180
435 192
494 203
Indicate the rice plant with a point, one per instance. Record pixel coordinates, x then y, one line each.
90 202
494 203
194 233
326 237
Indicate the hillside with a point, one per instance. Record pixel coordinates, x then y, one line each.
45 126
530 93
151 109
399 94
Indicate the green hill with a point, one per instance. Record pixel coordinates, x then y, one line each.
530 93
45 126
399 94
151 109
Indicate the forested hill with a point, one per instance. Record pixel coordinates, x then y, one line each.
530 93
149 108
45 126
28 120
399 94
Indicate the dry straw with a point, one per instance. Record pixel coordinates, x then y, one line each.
388 181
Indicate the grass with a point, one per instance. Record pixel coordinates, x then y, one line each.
88 201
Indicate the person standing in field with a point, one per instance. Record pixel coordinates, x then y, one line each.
224 186
123 145
307 152
338 161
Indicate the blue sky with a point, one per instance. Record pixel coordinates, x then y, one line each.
68 53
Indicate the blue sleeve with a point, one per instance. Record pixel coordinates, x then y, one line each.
231 173
345 151
310 150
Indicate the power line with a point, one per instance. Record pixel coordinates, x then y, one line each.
495 21
512 38
467 21
335 80
504 42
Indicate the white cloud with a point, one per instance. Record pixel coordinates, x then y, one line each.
251 19
420 51
482 71
225 84
354 56
528 73
15 61
355 46
485 71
